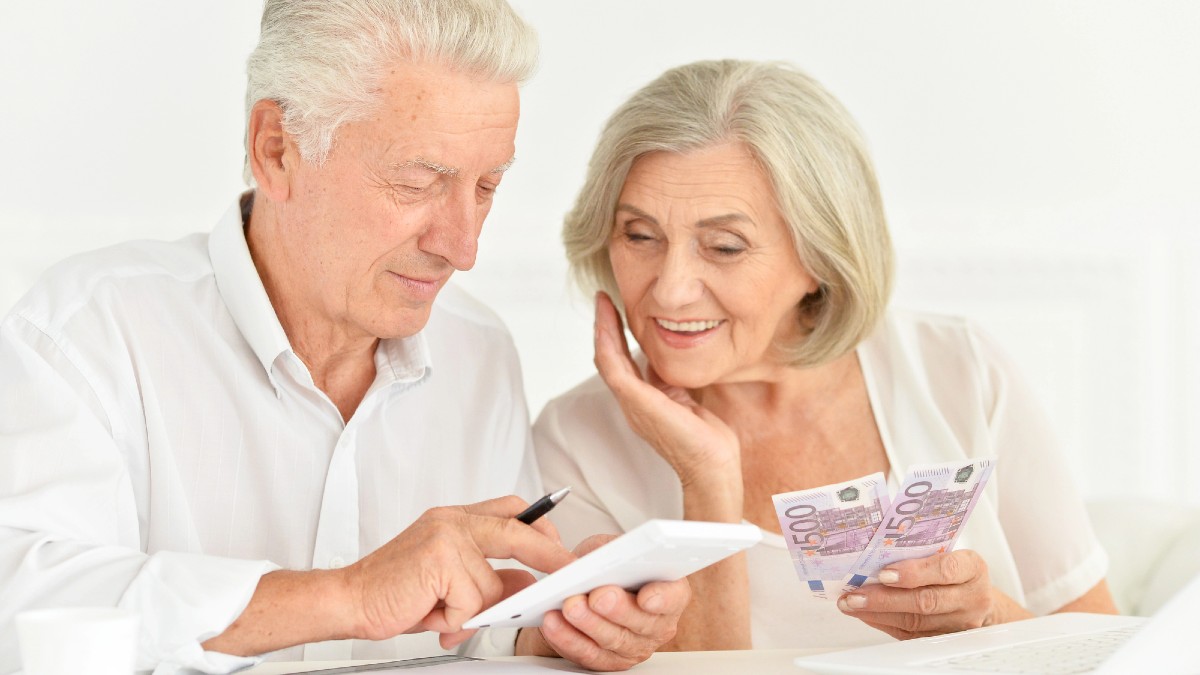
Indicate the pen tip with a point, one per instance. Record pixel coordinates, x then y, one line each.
557 496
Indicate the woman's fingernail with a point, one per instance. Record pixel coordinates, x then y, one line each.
889 577
852 602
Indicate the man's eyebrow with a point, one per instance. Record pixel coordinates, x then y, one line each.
505 166
427 165
711 221
444 170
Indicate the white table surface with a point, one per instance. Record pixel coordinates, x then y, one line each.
756 662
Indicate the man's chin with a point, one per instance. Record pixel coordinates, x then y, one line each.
400 323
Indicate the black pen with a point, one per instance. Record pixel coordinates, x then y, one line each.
542 506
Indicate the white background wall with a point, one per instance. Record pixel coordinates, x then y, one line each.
1040 162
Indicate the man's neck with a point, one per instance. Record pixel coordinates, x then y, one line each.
339 357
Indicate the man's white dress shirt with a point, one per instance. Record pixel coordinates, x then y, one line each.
940 391
162 446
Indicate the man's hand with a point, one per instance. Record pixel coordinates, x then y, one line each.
434 575
609 628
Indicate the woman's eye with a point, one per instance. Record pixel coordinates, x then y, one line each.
727 251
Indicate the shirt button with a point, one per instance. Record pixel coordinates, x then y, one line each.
336 562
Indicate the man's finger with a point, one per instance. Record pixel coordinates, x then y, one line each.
467 590
510 538
624 610
510 507
667 598
592 543
590 616
509 581
574 645
512 580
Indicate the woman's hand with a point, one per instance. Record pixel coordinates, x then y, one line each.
701 448
943 593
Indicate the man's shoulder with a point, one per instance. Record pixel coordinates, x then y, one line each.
114 274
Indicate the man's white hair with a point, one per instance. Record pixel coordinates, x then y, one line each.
322 60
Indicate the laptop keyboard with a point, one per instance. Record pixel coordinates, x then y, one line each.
1057 656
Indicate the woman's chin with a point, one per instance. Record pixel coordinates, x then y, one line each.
683 375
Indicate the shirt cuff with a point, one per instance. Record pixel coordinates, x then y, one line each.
185 599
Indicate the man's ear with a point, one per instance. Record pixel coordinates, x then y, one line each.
269 146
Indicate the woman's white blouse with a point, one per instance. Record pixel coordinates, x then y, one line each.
940 391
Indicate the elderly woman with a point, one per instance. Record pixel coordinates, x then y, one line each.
731 213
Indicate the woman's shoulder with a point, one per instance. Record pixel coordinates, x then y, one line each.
948 361
926 338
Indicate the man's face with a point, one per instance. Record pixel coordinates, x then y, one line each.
377 230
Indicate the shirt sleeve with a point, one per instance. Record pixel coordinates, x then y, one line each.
1041 512
70 531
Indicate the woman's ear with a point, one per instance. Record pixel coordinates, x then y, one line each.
268 143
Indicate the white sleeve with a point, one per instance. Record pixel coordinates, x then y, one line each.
1043 517
70 532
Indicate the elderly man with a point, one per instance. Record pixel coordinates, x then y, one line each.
226 433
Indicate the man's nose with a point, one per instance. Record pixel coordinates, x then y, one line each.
454 234
679 282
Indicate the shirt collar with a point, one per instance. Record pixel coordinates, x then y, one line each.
403 361
241 288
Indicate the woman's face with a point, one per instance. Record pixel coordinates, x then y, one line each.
706 267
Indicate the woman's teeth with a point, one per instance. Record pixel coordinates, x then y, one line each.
687 326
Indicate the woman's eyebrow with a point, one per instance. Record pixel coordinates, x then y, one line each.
711 221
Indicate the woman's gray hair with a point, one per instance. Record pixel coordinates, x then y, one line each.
811 150
322 60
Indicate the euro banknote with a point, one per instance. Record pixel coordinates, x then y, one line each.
925 518
828 527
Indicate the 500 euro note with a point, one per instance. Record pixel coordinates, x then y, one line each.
925 518
826 528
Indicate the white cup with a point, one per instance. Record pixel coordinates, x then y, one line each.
71 641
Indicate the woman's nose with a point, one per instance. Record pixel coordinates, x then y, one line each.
679 282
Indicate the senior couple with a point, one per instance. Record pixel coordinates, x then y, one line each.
291 437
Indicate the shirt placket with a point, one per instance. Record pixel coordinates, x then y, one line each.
337 540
